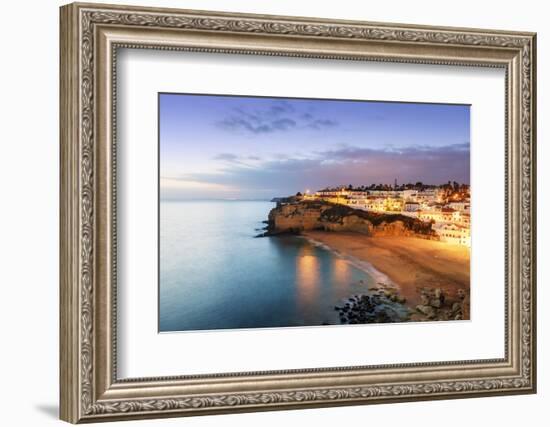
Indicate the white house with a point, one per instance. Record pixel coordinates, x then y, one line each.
453 233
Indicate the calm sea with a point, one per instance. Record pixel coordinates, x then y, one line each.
214 274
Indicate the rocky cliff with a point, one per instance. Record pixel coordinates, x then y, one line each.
300 216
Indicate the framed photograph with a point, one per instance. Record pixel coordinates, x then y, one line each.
265 212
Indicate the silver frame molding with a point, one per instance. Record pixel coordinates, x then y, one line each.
90 37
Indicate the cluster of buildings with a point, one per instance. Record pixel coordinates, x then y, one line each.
447 207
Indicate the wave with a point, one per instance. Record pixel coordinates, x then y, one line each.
360 264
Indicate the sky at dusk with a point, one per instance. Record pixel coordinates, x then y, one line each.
231 147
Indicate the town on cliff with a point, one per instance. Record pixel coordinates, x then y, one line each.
437 212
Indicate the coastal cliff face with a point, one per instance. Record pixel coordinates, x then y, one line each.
313 215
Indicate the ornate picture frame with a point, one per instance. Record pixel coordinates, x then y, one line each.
90 37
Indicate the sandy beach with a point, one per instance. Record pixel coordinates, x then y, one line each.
410 263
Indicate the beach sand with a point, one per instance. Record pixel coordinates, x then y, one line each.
410 263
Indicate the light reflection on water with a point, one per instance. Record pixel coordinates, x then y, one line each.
342 271
215 275
307 276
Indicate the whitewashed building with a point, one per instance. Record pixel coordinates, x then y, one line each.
453 233
411 207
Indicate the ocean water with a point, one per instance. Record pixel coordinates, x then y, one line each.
214 274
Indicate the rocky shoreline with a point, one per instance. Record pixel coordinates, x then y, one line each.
380 304
436 304
384 304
